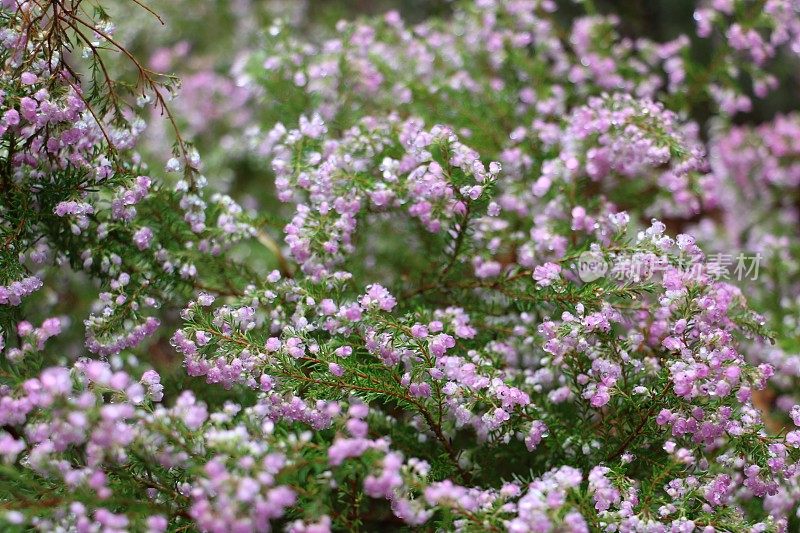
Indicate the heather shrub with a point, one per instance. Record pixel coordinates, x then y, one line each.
511 268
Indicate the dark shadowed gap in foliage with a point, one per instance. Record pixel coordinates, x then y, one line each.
413 11
664 20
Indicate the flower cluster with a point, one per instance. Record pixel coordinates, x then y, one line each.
390 304
70 170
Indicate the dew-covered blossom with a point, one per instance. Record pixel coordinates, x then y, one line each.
13 293
498 273
546 274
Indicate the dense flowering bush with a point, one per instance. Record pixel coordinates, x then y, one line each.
514 269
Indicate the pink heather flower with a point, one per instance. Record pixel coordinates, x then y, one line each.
192 413
717 492
142 238
377 297
435 326
487 269
546 274
28 78
420 390
439 344
56 380
73 208
28 108
384 484
335 369
795 414
328 307
11 117
202 338
344 351
357 427
24 328
10 447
173 165
537 432
358 410
600 398
51 327
266 383
604 493
672 343
152 381
313 128
13 293
156 524
664 417
419 331
342 449
351 313
273 344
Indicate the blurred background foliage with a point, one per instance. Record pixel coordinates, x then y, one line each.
206 42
